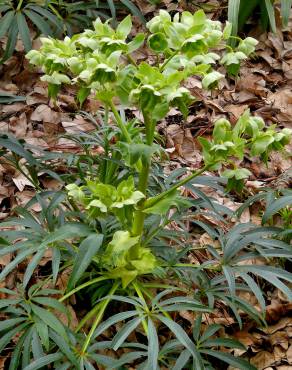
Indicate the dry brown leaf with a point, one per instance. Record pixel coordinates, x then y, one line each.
280 338
21 182
283 323
77 125
23 197
4 260
282 100
289 355
44 113
262 360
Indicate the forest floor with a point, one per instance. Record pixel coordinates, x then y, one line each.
264 86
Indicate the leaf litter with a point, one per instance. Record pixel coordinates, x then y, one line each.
265 86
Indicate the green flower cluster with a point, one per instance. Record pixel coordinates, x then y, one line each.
100 199
97 60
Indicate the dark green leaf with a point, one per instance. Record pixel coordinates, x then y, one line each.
229 359
40 23
123 334
43 361
24 31
50 319
5 22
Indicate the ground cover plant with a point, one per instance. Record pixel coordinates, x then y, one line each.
110 225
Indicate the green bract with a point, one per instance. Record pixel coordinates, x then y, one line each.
95 60
99 198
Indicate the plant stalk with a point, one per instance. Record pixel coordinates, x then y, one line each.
88 283
101 307
120 122
139 215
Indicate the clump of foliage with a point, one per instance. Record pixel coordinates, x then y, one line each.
109 224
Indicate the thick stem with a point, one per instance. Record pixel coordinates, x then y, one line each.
120 122
139 216
19 5
101 307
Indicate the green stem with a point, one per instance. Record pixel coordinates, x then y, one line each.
151 202
131 60
140 295
139 216
19 5
120 122
88 283
101 307
167 61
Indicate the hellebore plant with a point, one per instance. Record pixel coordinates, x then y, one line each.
117 203
101 61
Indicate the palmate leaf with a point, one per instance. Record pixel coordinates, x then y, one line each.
11 143
7 324
113 320
36 346
32 266
127 358
271 274
39 22
69 230
47 14
16 354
